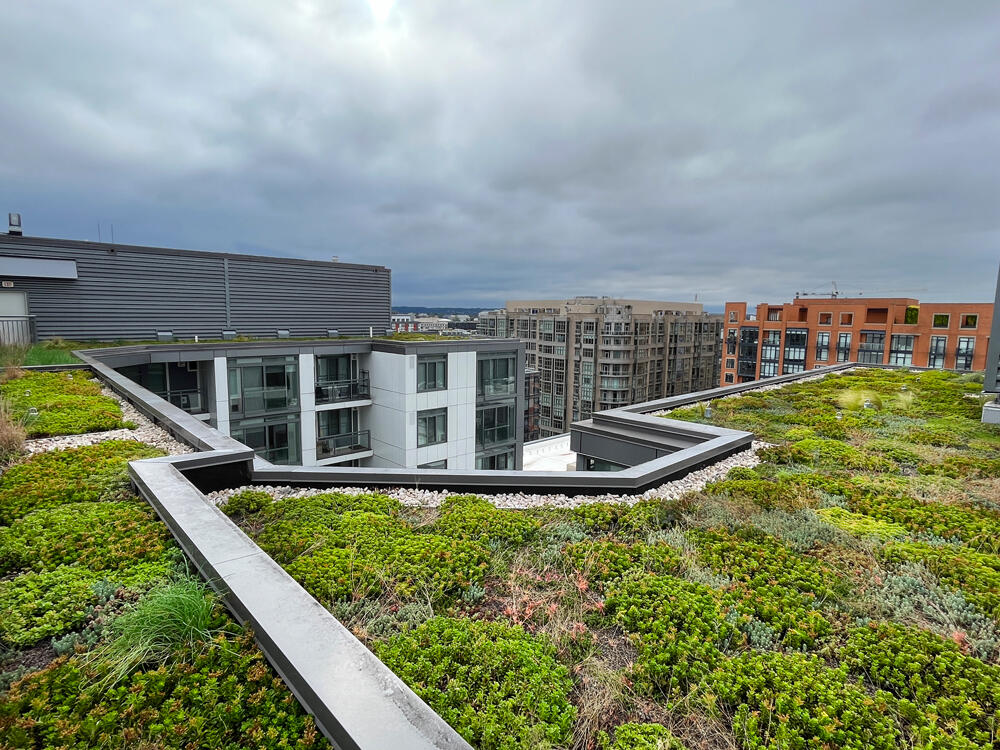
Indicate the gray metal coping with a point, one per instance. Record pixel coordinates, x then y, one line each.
358 703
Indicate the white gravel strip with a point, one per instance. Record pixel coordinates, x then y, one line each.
145 432
696 480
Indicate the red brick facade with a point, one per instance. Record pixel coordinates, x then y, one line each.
776 339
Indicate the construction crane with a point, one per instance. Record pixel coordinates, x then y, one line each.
894 291
835 292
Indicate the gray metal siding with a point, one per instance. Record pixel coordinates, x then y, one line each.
992 383
309 299
130 293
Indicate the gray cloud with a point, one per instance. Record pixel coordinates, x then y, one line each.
487 151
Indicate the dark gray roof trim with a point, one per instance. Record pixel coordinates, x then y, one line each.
10 242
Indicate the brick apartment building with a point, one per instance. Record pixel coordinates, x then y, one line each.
808 333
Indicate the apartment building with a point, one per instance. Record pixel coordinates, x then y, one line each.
364 403
595 353
532 396
775 340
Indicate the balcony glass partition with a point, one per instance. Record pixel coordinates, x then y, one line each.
342 445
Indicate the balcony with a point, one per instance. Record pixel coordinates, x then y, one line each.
259 399
487 437
501 387
333 446
336 391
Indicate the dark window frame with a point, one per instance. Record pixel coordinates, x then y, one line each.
432 372
440 426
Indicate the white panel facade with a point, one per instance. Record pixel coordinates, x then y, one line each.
392 433
221 381
307 401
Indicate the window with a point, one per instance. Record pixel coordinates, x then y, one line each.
432 427
494 425
795 350
338 379
432 372
597 464
732 316
941 320
937 351
336 422
729 377
826 319
774 313
730 363
442 464
912 315
263 384
496 462
496 375
331 369
847 319
275 439
844 347
822 346
337 433
871 350
963 355
969 321
901 350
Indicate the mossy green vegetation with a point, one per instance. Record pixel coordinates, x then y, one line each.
942 696
500 687
60 403
640 737
845 592
138 654
73 475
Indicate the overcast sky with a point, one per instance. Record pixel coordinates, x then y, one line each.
540 148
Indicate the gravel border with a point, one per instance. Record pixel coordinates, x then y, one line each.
696 480
145 432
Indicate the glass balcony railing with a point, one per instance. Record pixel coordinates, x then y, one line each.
489 436
497 387
335 391
257 400
187 399
330 446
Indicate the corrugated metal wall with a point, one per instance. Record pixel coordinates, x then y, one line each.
126 292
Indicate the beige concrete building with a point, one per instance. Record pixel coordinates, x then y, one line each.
597 353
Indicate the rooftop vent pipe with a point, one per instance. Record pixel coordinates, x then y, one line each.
14 222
